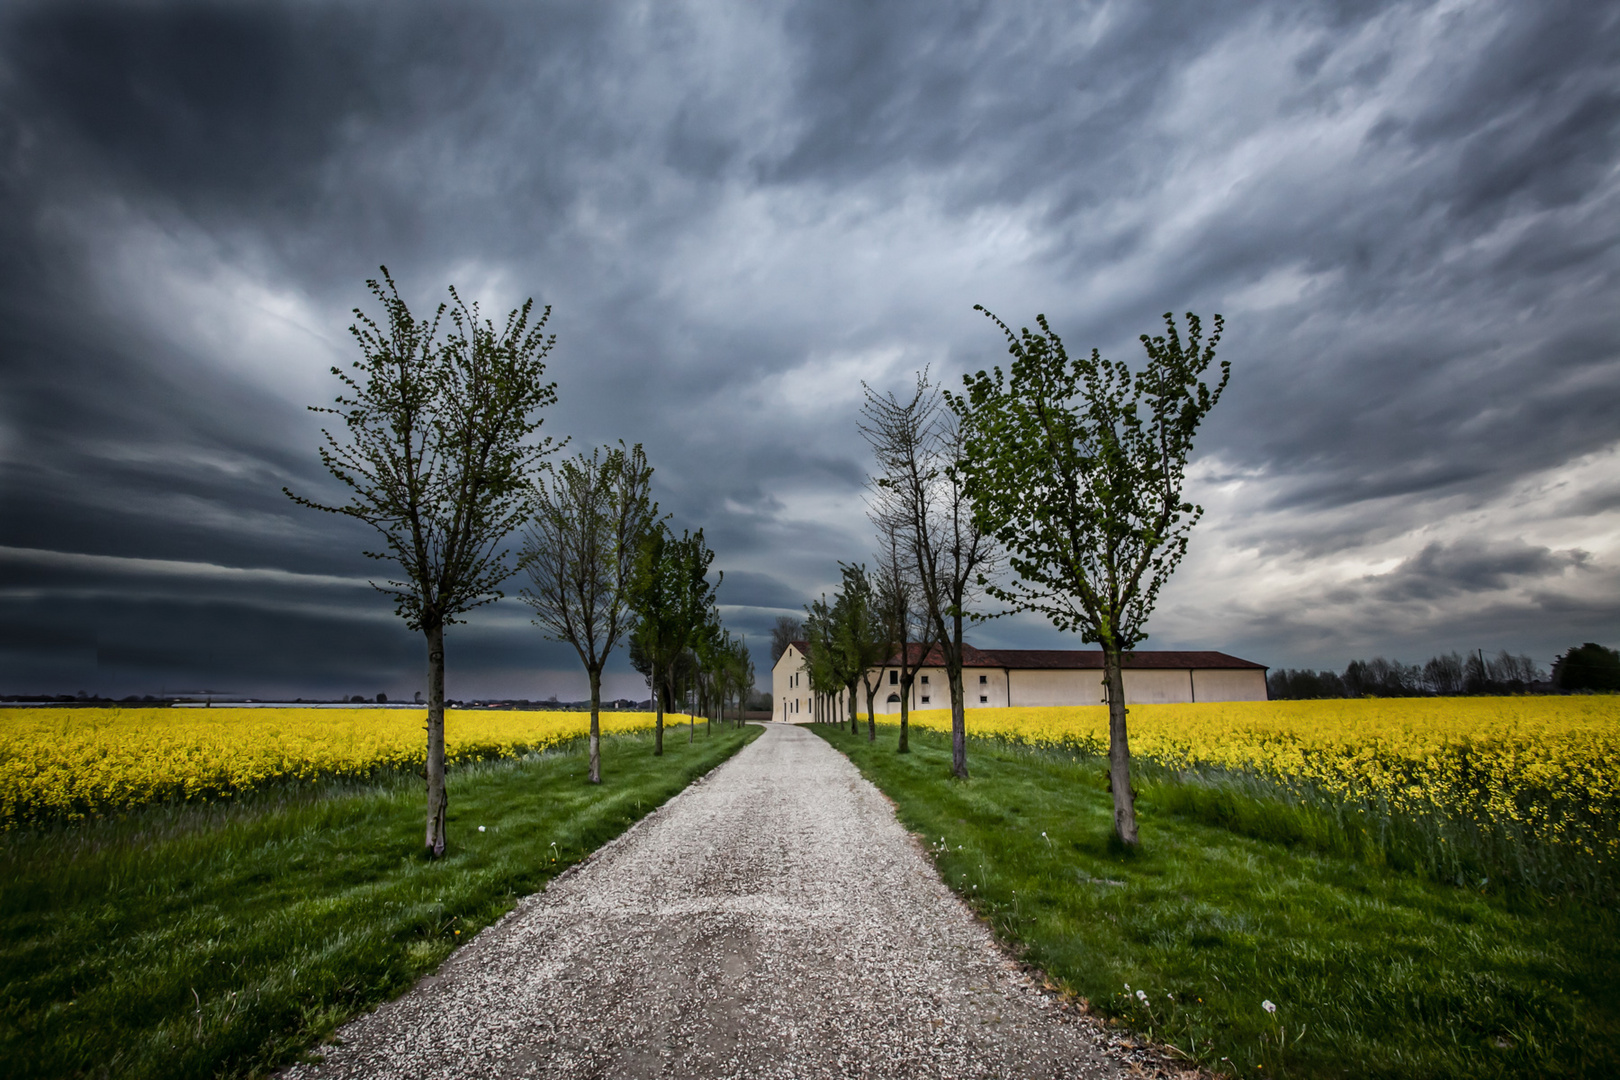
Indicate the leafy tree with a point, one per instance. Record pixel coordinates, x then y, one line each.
437 453
725 675
920 489
672 599
589 517
1077 467
862 641
1587 667
709 654
822 672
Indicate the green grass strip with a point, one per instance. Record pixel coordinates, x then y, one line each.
225 941
1373 972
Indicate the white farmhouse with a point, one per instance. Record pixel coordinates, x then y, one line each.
996 678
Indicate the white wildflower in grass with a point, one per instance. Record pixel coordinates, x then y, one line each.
1268 1006
480 828
1141 995
1127 988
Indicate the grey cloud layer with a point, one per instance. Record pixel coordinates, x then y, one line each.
1408 213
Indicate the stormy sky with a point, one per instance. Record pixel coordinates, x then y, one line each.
1408 214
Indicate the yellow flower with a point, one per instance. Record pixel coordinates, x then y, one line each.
1530 769
74 763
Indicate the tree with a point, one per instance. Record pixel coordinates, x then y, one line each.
672 598
862 640
841 656
1077 466
724 674
1587 667
786 631
438 459
709 645
1444 674
743 675
920 448
822 672
895 601
588 520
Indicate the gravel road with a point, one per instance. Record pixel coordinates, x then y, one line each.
773 920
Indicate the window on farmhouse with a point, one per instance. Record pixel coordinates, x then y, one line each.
983 679
925 680
983 699
894 678
925 699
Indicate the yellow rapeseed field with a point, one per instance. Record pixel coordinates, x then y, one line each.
71 763
1544 769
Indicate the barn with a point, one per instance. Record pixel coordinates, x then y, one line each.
998 678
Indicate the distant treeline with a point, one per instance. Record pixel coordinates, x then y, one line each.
1584 668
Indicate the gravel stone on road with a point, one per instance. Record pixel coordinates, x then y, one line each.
773 920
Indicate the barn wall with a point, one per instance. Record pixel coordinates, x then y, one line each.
1157 687
1043 687
1226 685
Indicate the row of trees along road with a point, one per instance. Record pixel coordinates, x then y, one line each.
441 453
1067 471
848 642
678 643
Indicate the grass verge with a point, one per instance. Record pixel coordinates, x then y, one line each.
1372 972
224 941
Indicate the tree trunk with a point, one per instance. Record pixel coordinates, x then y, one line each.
1119 750
953 675
958 723
438 799
595 775
658 704
854 712
905 714
871 710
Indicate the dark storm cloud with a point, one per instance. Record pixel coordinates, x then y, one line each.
1407 212
1442 570
745 589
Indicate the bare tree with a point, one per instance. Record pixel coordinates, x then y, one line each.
896 601
589 517
919 449
438 459
743 675
786 631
